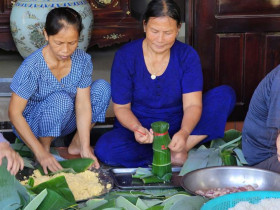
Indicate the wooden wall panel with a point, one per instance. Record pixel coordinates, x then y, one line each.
248 7
253 64
272 51
238 42
229 61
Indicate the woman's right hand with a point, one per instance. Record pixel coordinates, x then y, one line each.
47 161
143 136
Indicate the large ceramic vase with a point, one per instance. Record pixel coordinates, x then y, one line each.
28 17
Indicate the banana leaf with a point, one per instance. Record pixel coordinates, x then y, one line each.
222 151
94 204
35 203
58 185
197 158
124 203
54 201
12 194
78 165
22 149
231 135
240 156
141 205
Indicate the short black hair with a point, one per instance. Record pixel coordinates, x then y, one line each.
161 8
57 18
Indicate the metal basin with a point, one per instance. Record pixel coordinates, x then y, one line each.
230 176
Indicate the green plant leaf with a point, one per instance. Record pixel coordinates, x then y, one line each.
151 202
141 205
190 203
240 156
54 200
37 200
78 164
12 194
124 203
142 173
214 159
58 185
94 204
28 162
215 143
196 159
231 135
156 208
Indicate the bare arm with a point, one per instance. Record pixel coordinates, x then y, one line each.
16 108
129 121
83 117
192 107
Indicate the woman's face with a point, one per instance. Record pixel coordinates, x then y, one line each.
64 43
161 33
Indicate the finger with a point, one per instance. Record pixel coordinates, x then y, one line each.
10 163
96 164
58 166
21 163
45 168
14 168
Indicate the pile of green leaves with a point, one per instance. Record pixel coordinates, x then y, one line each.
171 199
224 151
53 194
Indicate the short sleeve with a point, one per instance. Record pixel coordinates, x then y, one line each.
24 82
274 103
121 79
192 74
86 78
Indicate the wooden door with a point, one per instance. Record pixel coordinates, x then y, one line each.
238 42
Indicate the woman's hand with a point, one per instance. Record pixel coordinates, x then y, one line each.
47 161
15 162
178 142
143 136
87 152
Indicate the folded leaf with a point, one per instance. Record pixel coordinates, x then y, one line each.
78 164
58 185
54 201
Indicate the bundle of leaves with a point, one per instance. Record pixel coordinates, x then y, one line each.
224 151
52 194
171 199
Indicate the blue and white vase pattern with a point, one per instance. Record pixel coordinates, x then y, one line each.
28 17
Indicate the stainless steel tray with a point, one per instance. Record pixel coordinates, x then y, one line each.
123 179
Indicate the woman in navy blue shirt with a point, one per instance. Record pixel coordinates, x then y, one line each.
159 78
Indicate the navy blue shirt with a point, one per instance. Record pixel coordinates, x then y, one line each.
262 121
159 99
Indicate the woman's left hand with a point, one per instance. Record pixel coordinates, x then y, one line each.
178 142
88 153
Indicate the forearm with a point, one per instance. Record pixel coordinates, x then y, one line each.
83 117
26 134
190 119
126 117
